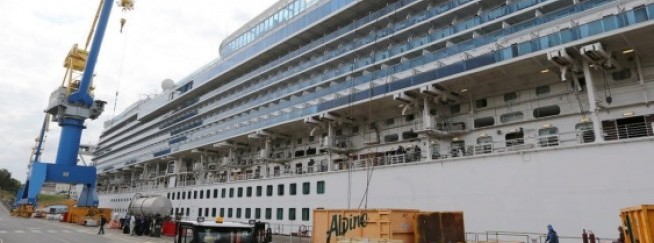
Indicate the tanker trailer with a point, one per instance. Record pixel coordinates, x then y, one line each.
149 212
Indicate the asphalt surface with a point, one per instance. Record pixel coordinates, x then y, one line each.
17 230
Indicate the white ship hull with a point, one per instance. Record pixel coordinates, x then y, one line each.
572 188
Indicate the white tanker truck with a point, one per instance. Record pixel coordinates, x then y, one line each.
150 206
149 212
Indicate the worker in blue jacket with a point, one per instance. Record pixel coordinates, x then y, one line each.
552 237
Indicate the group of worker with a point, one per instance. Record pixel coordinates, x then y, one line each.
135 225
552 237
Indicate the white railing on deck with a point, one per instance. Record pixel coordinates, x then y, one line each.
402 156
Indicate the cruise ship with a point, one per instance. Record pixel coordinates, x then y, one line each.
520 113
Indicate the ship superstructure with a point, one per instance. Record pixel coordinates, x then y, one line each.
519 113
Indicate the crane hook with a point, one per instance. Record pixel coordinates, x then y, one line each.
122 24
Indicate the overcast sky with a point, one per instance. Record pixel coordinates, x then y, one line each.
162 39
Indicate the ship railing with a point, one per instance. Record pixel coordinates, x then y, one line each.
373 161
301 230
628 131
526 237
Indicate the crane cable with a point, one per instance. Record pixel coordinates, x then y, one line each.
127 6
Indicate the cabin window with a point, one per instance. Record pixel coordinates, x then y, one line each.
213 212
223 193
484 140
514 138
452 126
268 213
238 213
280 214
409 118
621 75
484 145
409 135
215 193
338 132
248 213
240 192
259 191
292 188
546 111
355 129
481 103
625 128
484 122
248 191
311 151
257 213
542 90
372 126
299 153
391 138
188 212
512 117
312 139
168 196
508 97
299 141
390 122
305 214
548 137
208 193
458 148
269 190
183 196
280 190
320 187
201 194
231 192
195 194
306 188
585 132
206 212
455 109
291 214
222 212
229 212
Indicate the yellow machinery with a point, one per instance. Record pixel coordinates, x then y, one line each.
24 211
79 215
638 223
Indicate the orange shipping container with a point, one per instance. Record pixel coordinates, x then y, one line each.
638 223
330 226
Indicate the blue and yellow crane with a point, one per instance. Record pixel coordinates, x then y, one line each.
70 105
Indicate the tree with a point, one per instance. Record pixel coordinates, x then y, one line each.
8 183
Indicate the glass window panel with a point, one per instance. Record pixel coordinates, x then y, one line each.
547 111
484 121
